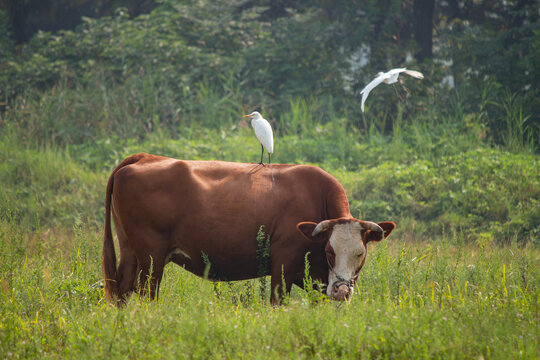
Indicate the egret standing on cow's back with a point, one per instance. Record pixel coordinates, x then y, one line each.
264 133
388 77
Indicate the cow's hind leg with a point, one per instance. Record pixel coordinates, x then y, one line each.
150 272
127 273
127 269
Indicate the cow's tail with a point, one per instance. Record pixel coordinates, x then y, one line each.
108 254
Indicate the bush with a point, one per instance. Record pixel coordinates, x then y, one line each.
481 190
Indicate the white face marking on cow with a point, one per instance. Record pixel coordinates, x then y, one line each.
346 241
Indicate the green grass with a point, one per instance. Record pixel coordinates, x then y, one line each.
45 185
442 299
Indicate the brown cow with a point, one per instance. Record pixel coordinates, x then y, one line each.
196 213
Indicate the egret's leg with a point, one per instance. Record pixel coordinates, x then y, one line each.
269 159
397 93
262 153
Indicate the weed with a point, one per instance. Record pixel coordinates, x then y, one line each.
263 259
312 290
209 273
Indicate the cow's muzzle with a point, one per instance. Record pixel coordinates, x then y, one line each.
341 289
340 292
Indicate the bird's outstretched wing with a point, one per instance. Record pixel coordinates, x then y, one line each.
366 90
396 71
414 73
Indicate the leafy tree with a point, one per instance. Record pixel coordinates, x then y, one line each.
29 16
494 45
272 52
423 28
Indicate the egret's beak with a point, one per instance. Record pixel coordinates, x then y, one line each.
249 115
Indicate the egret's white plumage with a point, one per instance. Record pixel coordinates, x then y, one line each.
388 77
264 133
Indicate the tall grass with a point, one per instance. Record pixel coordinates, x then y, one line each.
517 136
84 112
411 301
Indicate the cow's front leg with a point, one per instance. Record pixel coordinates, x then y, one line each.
282 277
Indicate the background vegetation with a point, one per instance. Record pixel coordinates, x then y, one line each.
453 160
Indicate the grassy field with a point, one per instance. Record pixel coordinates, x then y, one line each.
442 299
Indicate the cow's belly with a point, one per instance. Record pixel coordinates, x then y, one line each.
218 271
216 263
217 249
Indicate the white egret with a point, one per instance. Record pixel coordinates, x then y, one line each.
388 77
264 133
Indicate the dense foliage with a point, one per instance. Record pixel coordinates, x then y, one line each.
264 56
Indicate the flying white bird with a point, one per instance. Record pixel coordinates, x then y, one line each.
264 133
388 77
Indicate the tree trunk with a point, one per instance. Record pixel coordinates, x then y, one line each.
17 12
423 28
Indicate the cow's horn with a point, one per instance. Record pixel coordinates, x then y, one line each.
322 226
371 226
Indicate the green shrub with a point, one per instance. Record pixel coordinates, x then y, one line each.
480 190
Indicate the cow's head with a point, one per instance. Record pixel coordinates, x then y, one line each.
346 247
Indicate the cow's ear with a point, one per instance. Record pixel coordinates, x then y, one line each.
387 227
307 227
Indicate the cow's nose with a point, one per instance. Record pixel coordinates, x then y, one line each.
340 291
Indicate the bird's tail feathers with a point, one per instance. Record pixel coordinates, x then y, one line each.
414 74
